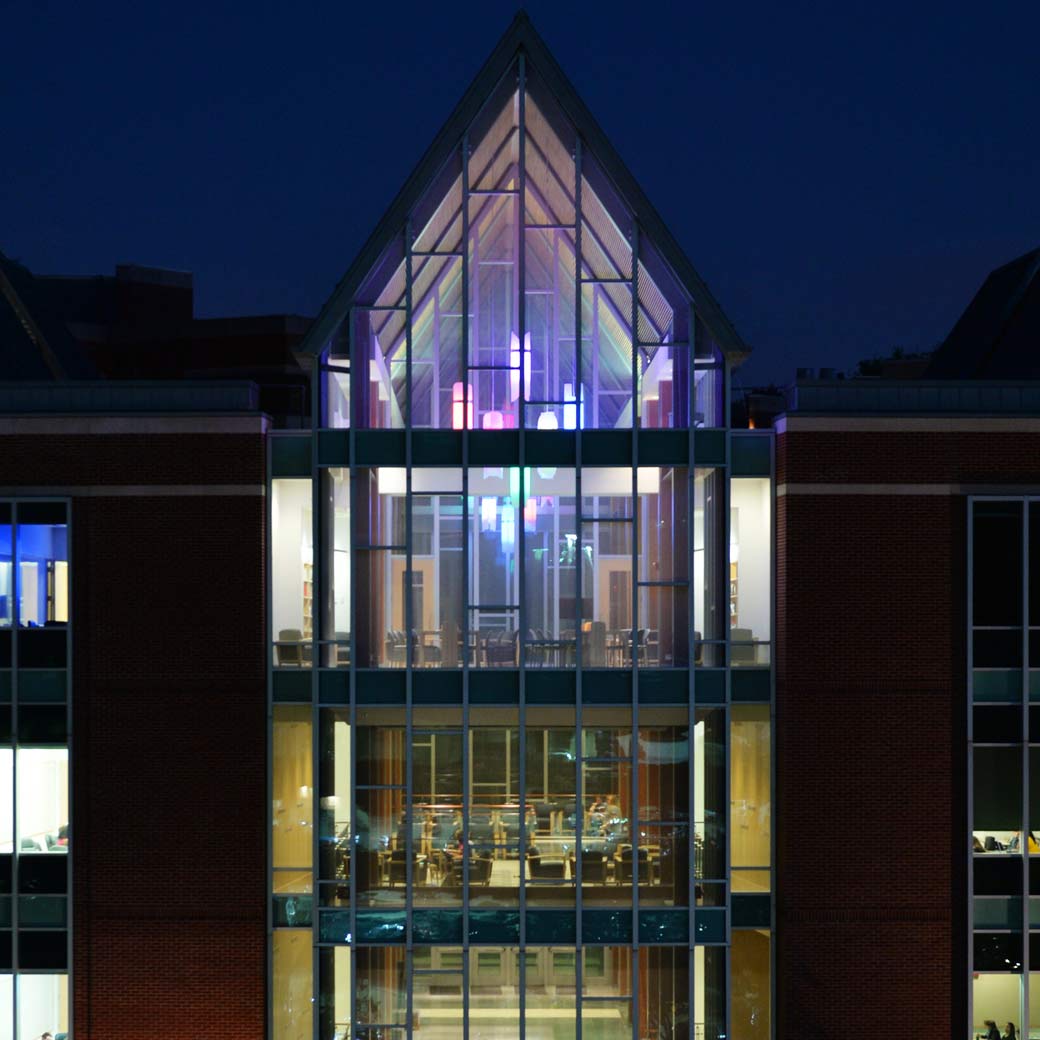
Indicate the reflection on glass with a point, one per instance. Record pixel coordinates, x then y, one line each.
337 391
43 800
749 791
382 995
664 985
292 572
709 785
336 832
436 814
749 969
292 984
292 799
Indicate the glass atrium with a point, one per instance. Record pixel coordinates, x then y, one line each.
520 618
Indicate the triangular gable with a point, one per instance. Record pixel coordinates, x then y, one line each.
541 170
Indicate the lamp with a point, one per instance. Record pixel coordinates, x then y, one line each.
492 421
514 366
508 525
547 421
488 513
459 419
573 410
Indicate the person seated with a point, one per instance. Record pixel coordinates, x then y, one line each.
63 834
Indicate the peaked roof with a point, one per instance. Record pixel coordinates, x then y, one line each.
35 342
521 37
998 335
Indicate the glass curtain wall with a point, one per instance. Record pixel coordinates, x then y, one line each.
451 803
522 294
1004 762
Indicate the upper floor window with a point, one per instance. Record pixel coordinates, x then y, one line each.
34 564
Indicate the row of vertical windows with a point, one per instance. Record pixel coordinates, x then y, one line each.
449 814
1004 623
434 992
656 589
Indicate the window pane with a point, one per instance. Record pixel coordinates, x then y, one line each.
494 1005
43 1004
750 576
708 560
292 567
749 968
437 574
334 999
43 574
709 761
336 567
6 570
997 559
437 805
997 799
664 973
382 996
551 786
6 800
43 799
750 801
335 801
291 808
337 391
551 542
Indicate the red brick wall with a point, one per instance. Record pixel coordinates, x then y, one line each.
169 734
871 739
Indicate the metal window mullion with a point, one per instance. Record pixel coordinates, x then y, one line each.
409 610
464 893
521 539
1026 819
691 671
579 593
269 736
16 619
317 633
356 363
634 635
971 758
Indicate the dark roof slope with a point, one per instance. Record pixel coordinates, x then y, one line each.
998 336
522 37
35 342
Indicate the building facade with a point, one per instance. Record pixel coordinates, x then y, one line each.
520 614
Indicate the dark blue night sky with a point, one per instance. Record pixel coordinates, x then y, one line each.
842 175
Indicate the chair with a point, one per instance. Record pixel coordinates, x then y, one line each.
289 648
500 648
549 870
28 845
593 867
625 866
399 867
480 870
428 653
742 650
